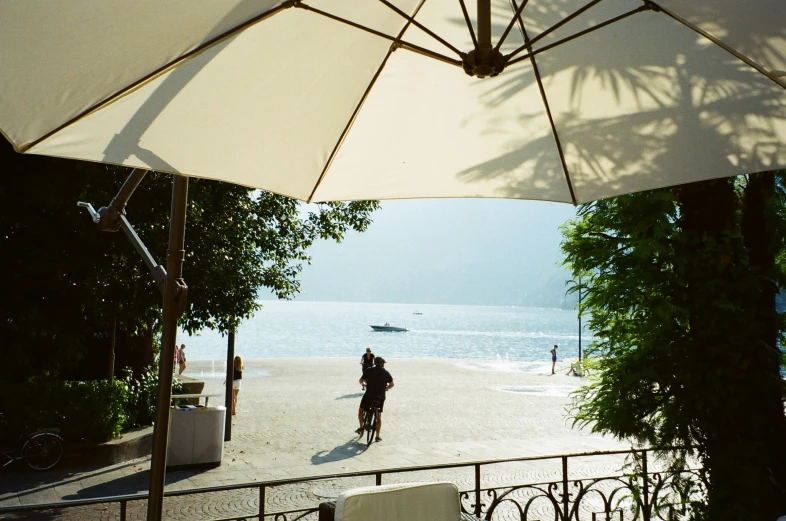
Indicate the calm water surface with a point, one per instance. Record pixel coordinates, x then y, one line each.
510 337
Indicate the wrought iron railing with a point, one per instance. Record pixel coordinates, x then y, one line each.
641 489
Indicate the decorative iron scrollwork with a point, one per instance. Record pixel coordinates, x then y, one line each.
669 496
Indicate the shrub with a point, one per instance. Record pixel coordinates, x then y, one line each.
82 410
93 410
141 397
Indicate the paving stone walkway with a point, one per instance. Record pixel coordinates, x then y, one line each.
296 422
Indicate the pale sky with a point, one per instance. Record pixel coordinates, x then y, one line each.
446 251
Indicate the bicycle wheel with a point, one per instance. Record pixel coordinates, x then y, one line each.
42 451
372 426
367 422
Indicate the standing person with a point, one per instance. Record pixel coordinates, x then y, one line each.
554 358
377 382
237 376
366 362
177 360
181 358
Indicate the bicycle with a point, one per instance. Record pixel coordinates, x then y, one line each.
370 419
41 449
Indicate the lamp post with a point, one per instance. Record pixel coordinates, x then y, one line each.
228 385
579 319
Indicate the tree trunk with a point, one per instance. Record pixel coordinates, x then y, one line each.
758 230
134 352
110 369
734 370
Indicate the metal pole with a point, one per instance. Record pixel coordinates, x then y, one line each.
579 319
484 24
109 215
230 376
565 496
478 504
647 511
174 302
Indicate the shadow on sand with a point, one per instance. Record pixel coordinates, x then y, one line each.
354 447
348 396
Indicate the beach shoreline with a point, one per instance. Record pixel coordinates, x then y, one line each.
217 367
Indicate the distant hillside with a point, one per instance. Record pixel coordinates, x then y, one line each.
549 291
473 252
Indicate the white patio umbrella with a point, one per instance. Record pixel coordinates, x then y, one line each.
308 99
559 100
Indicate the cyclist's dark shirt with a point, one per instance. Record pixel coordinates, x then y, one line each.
377 378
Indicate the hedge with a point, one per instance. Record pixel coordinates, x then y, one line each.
95 410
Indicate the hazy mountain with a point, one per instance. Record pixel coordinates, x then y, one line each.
488 252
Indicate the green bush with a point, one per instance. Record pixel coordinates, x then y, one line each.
94 410
141 393
82 410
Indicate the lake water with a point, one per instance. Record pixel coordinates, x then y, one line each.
502 338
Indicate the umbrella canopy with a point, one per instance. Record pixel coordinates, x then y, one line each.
560 100
376 99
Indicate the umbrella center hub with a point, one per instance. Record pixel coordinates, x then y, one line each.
484 62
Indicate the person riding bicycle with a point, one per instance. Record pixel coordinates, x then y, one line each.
377 381
366 362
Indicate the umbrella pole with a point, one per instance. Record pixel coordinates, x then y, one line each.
174 304
484 24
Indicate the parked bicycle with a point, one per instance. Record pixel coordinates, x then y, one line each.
370 421
41 449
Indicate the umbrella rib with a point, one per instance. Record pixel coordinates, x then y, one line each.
397 41
469 24
542 90
772 75
516 16
555 27
578 34
357 109
421 26
132 86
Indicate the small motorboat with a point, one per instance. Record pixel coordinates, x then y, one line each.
389 328
417 313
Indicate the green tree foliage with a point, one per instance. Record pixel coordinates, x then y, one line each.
679 287
65 284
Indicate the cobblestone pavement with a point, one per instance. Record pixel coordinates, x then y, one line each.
297 422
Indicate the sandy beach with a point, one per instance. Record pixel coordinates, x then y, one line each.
303 406
296 419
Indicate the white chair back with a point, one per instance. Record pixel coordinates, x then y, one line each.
406 502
